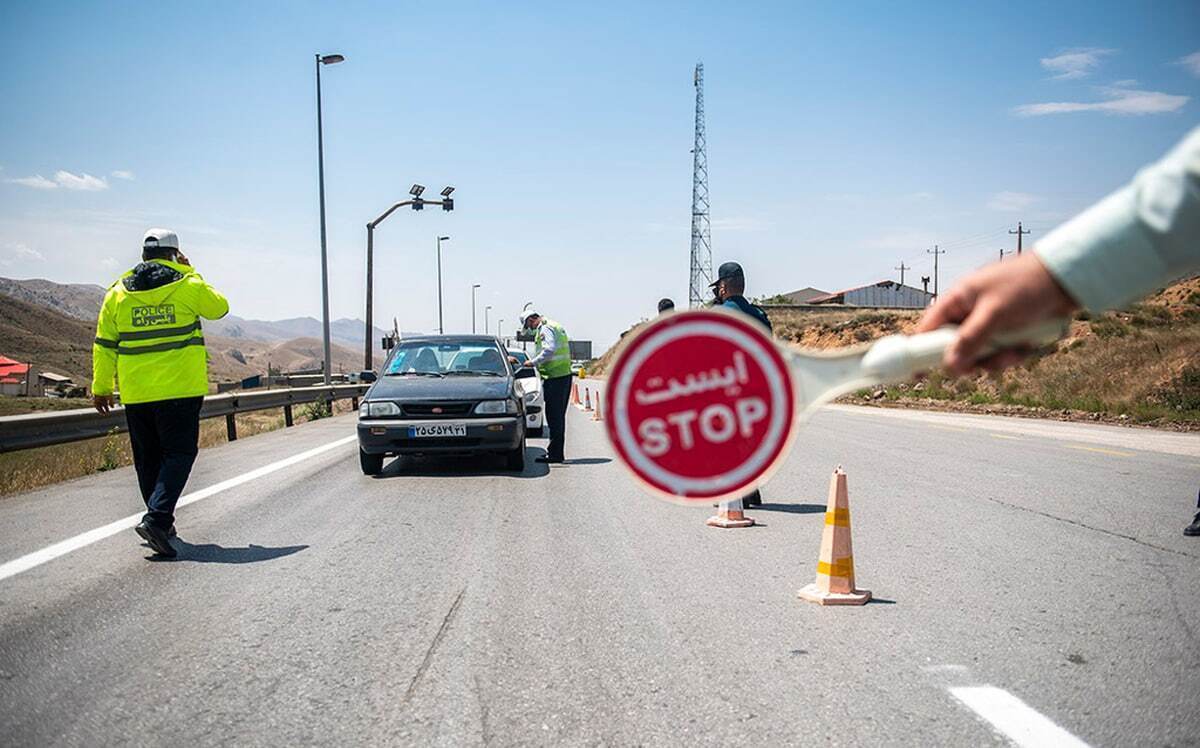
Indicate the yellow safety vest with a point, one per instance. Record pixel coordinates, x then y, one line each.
151 340
559 364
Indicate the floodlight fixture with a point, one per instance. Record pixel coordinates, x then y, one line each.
332 59
446 191
416 190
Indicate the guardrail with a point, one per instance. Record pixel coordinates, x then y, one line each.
60 427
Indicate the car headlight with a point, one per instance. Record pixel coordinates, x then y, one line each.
531 397
496 408
375 409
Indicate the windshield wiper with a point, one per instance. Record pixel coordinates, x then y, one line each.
414 374
459 372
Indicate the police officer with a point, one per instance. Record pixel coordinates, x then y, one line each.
665 305
729 289
148 336
553 361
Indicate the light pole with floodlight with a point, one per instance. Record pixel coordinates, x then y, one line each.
323 60
487 325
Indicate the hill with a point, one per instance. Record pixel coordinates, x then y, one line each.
82 301
1140 364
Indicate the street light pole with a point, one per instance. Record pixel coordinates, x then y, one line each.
323 60
499 329
487 325
440 239
473 287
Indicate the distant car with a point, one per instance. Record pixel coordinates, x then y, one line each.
444 395
531 390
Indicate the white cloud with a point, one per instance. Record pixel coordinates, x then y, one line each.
123 174
1191 62
1075 63
17 253
1011 201
1124 101
64 179
85 182
109 262
37 182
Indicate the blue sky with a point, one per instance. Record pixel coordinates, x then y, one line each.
842 141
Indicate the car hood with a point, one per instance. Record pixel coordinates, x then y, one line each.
449 388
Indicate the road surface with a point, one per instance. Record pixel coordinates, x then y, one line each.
1031 581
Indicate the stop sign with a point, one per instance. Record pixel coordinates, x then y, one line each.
701 406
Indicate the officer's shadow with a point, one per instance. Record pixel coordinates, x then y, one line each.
211 553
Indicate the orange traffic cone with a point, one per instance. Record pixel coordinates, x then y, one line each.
587 399
575 393
835 567
730 515
596 414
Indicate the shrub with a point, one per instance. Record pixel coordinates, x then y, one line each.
317 410
1109 327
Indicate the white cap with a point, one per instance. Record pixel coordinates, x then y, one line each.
157 238
528 312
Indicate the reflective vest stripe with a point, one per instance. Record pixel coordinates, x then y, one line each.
126 350
106 343
159 333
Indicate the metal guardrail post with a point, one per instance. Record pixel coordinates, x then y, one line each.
354 403
230 427
287 415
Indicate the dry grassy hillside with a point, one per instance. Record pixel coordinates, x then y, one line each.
1140 365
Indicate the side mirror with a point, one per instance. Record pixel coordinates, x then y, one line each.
367 377
524 372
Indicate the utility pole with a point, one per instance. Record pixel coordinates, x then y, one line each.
701 262
1019 232
1002 253
902 268
935 252
440 239
473 289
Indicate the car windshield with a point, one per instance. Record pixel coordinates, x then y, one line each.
429 358
520 356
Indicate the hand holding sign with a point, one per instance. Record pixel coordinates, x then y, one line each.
703 404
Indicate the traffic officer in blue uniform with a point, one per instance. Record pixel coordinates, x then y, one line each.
729 289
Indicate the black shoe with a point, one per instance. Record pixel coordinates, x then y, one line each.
1193 529
549 460
157 539
171 533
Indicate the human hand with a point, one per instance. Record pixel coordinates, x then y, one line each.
514 361
1002 296
102 403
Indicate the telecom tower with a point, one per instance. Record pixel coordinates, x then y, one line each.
701 275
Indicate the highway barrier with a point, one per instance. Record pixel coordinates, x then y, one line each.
835 567
64 426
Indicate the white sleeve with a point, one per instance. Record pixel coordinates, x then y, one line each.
549 345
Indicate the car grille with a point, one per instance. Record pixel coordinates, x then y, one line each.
437 410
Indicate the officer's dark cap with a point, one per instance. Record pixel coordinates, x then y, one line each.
728 271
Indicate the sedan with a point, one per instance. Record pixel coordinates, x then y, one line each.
444 395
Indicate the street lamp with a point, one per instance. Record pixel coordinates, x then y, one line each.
323 60
473 288
499 329
487 325
440 239
416 203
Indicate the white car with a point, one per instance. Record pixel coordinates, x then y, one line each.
531 389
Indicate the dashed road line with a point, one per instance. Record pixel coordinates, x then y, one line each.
1010 437
51 552
1101 450
1013 718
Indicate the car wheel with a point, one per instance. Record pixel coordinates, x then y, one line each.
370 464
515 460
535 433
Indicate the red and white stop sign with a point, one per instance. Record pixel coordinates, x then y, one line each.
701 406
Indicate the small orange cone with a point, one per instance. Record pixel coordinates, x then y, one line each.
835 567
587 399
730 515
575 393
596 414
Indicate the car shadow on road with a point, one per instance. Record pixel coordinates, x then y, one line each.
458 467
775 506
211 553
587 461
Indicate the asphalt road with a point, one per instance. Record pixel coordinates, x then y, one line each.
447 604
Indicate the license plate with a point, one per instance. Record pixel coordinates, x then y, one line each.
436 430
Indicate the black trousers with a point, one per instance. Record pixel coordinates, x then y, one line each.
557 394
165 437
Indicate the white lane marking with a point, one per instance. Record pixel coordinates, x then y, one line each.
51 552
1018 721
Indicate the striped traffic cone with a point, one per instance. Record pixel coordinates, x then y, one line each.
730 515
596 414
835 567
587 400
575 394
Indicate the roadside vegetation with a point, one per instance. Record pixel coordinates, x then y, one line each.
35 468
